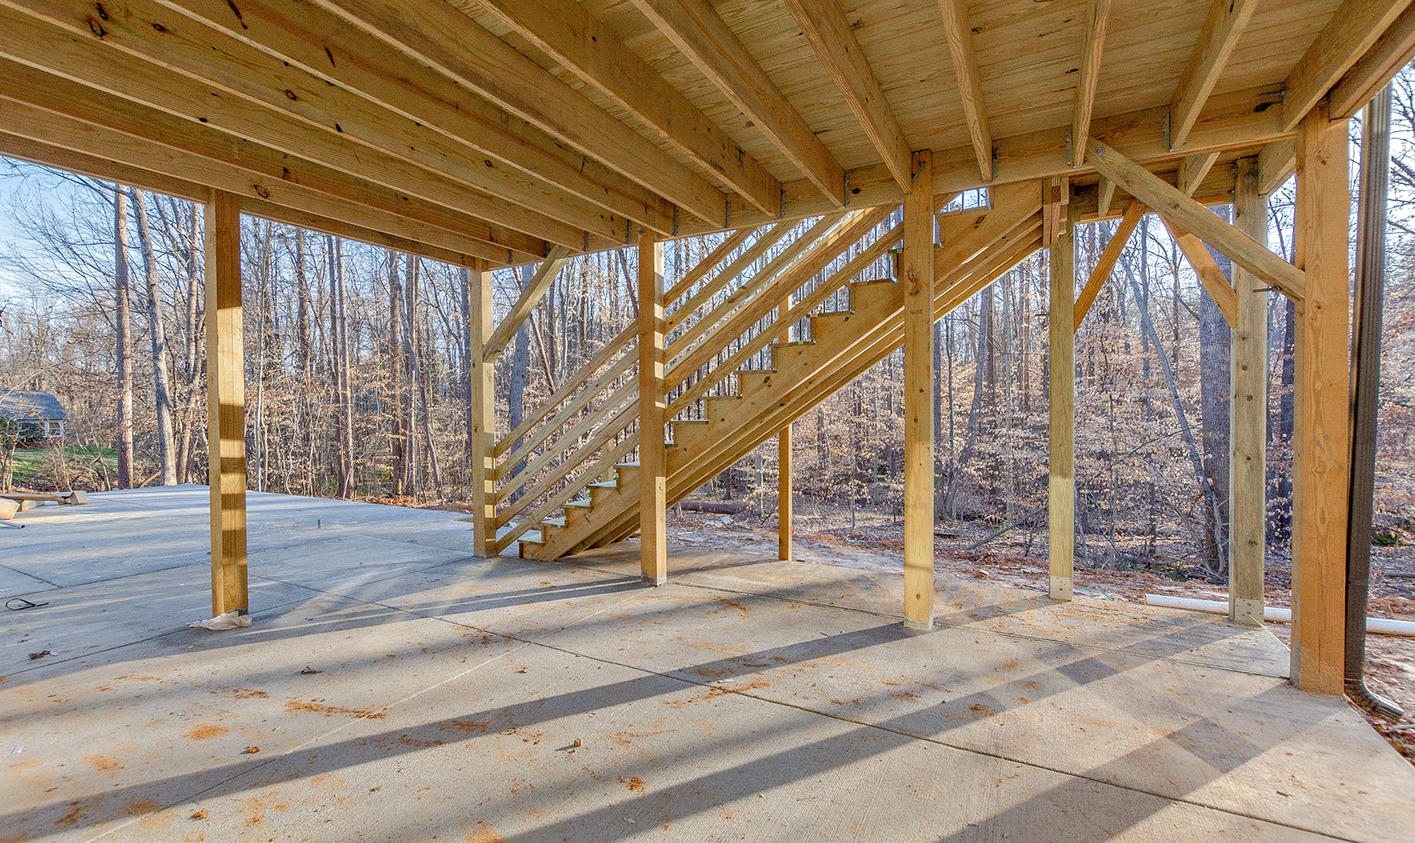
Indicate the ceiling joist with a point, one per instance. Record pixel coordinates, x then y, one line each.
1392 51
435 33
570 35
1097 17
1225 24
835 45
958 33
39 125
1352 31
520 162
706 40
117 76
106 169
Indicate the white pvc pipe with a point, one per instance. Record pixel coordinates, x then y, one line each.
1378 626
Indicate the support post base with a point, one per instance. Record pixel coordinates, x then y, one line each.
919 626
1060 588
659 580
1245 611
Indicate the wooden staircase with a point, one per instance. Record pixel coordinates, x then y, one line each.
845 344
724 402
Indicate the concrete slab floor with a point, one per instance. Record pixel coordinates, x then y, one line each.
392 687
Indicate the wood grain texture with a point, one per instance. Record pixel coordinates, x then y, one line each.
1321 453
653 461
917 263
1247 455
226 405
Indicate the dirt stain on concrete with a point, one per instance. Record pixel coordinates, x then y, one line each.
100 762
206 731
331 710
635 784
485 835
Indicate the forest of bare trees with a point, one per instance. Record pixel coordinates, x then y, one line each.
356 359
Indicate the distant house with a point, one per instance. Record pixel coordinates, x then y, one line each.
35 415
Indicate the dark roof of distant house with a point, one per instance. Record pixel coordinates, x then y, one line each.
30 406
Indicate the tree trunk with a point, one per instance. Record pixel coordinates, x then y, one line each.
123 334
1215 360
161 358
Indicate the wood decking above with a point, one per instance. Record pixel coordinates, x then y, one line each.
502 129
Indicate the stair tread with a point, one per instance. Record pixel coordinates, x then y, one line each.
580 504
607 484
553 522
532 537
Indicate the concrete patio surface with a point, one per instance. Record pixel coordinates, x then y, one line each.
394 687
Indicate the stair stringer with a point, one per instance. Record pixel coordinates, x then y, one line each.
779 410
971 261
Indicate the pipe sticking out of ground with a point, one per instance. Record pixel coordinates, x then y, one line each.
1273 614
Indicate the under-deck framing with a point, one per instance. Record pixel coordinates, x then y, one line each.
493 133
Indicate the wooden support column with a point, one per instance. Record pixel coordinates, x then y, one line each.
1247 455
1321 459
225 404
918 277
653 458
481 416
784 514
1061 486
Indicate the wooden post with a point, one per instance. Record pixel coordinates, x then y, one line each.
918 277
1061 485
225 404
482 416
1321 458
653 459
1247 456
784 512
783 495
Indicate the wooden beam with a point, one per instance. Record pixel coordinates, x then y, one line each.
1352 30
226 405
1061 474
1105 194
838 51
784 509
785 528
1391 52
1097 16
576 39
1192 171
111 73
958 33
1247 451
48 155
704 38
36 124
481 432
1174 206
271 89
653 458
1206 268
1276 163
1244 118
439 35
65 98
918 280
1321 459
422 101
1223 28
530 295
1106 263
1056 195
